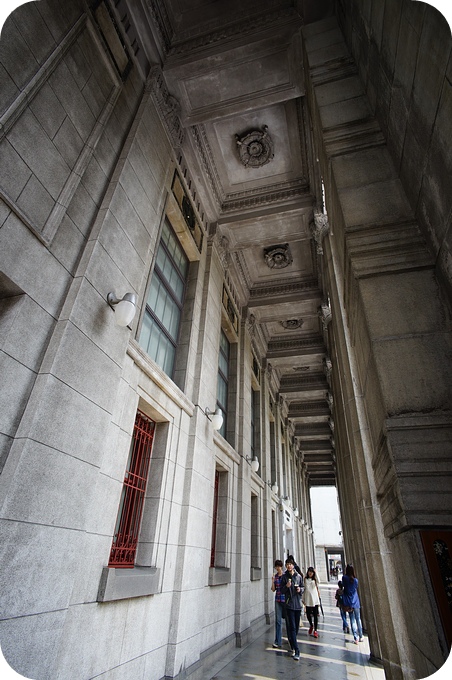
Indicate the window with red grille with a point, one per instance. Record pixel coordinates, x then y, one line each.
215 518
130 511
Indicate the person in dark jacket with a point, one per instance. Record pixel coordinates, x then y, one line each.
339 595
297 568
351 603
292 587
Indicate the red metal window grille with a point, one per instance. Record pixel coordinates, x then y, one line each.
214 518
130 511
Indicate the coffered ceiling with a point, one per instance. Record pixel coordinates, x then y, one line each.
236 70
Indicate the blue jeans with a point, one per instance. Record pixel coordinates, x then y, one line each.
355 623
292 625
344 619
278 623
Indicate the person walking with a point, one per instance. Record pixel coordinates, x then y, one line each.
351 602
297 568
292 588
339 597
279 602
311 600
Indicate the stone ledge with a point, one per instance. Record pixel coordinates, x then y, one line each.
255 573
219 576
121 584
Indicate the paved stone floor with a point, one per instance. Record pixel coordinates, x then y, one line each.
333 656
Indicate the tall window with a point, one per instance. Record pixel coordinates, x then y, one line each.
255 538
218 550
213 547
253 423
125 540
223 379
161 322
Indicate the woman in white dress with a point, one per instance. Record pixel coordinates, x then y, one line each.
311 600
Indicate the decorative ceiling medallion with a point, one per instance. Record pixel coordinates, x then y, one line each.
292 324
255 148
278 257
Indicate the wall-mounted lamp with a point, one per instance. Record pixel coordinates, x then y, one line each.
273 487
124 308
254 463
216 419
295 512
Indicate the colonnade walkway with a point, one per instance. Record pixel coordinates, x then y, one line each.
331 656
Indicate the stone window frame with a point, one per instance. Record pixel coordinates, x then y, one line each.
230 432
147 311
145 578
255 537
220 571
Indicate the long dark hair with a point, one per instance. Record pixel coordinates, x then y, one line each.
350 571
313 573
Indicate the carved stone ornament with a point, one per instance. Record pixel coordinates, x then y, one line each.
167 106
255 148
223 249
327 367
292 324
278 257
251 324
319 229
324 312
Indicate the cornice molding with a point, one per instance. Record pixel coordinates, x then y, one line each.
188 44
295 344
317 379
392 247
271 194
283 288
205 152
162 23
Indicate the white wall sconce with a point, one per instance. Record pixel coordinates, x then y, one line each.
216 419
274 487
124 308
254 463
295 512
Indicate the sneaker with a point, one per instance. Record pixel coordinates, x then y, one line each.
348 631
316 634
361 639
356 642
293 652
310 630
277 646
296 657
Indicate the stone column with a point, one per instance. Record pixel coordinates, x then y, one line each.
391 342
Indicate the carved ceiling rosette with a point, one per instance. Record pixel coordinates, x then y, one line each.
255 148
291 324
278 257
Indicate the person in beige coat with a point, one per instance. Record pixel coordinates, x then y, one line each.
311 600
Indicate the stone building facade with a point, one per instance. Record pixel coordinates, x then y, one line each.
269 184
